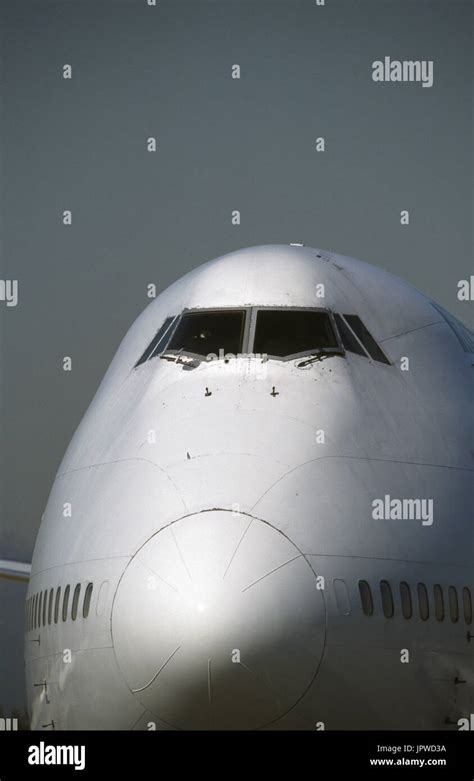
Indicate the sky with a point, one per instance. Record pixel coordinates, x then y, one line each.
223 144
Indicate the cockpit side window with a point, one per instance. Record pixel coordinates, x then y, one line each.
349 341
365 338
209 333
287 332
158 342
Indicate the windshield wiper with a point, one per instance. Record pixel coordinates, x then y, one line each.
319 355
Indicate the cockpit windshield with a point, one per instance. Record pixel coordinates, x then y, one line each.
279 333
285 332
208 333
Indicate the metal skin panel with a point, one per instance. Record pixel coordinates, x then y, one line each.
228 619
188 484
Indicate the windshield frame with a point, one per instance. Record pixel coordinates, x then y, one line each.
337 350
209 310
248 334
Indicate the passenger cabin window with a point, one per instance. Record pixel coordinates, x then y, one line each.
158 342
438 602
283 333
56 604
65 602
217 332
50 605
405 598
423 603
366 598
75 601
467 605
45 604
387 599
453 604
87 600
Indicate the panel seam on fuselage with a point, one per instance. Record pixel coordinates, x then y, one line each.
412 330
360 458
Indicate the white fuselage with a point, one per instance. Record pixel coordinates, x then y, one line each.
224 513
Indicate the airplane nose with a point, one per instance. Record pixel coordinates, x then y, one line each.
218 623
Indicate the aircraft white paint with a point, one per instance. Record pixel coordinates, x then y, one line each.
223 512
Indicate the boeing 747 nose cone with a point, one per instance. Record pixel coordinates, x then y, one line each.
218 623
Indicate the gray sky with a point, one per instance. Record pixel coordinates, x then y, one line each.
223 144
